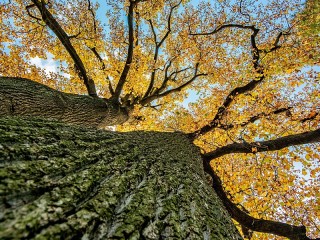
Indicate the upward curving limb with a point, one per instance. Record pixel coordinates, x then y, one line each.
52 23
265 146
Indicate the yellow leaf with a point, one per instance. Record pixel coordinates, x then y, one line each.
304 172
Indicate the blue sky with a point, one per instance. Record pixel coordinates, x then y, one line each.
49 64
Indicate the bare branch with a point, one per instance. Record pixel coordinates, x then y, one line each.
64 39
155 58
103 67
275 45
309 118
158 95
178 89
153 32
94 50
238 90
259 225
137 28
93 16
253 28
253 118
166 77
222 27
242 13
255 51
265 146
221 110
158 46
30 14
173 76
127 65
165 80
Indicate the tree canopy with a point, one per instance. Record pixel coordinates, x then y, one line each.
240 77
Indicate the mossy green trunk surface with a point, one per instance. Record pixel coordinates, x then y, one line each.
64 182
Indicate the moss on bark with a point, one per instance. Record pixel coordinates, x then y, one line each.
65 182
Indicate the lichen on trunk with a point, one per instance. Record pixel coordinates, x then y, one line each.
66 182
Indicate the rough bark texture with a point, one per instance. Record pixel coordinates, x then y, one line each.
23 97
63 182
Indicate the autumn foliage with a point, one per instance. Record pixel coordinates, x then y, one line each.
226 72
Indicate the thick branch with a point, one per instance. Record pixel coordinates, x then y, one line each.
155 57
239 90
259 225
26 98
255 52
65 40
166 77
127 65
265 146
253 28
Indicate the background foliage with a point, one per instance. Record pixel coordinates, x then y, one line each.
281 185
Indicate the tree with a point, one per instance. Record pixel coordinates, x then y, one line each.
252 65
63 182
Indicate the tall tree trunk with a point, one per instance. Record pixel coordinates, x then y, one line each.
64 182
23 97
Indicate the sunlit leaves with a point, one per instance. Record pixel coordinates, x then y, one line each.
279 185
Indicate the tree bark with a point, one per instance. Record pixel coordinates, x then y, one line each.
23 97
66 182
